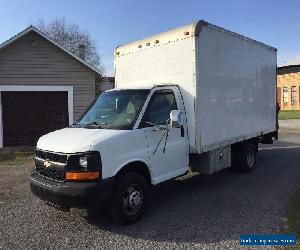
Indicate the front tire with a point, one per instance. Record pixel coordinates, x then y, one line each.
130 198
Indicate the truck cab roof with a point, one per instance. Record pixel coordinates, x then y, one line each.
146 86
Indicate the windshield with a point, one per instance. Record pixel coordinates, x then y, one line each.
117 109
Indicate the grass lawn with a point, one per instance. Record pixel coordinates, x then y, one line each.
293 215
16 156
289 114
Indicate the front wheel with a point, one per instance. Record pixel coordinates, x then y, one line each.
130 198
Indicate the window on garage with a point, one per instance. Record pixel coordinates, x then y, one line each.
293 95
285 94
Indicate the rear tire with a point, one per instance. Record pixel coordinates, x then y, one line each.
130 198
234 157
244 157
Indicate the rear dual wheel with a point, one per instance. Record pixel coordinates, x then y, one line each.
244 156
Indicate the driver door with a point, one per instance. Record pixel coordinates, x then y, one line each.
167 147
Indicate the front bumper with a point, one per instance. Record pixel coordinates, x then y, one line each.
64 195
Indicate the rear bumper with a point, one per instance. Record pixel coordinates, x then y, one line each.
71 194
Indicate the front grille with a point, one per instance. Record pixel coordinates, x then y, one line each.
56 170
45 155
56 174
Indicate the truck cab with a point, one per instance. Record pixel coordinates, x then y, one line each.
128 140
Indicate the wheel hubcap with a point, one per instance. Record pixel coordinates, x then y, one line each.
135 199
250 159
132 200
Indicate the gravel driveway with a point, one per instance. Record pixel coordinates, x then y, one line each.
200 212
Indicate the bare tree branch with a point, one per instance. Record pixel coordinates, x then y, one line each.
70 37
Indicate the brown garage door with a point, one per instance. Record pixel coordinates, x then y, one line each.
28 115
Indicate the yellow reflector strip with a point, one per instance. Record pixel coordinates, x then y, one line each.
82 175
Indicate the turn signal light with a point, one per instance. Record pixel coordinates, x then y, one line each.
80 176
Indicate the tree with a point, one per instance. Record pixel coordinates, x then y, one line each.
72 38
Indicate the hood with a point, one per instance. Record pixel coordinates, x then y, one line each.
73 140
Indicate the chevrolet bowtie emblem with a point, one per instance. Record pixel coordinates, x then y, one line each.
47 164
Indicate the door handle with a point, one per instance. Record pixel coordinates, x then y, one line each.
182 131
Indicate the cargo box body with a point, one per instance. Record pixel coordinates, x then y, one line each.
228 81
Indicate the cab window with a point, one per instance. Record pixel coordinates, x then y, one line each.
159 108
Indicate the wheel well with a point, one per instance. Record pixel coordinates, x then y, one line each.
137 167
236 146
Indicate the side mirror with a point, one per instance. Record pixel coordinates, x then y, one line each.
176 119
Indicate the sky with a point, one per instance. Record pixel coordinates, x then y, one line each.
111 23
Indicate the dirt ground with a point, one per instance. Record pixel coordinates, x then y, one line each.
14 179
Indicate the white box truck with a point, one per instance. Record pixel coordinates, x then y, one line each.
196 98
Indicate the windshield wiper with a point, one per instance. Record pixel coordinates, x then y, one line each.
76 125
95 124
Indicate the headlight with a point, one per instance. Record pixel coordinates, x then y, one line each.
83 161
89 161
